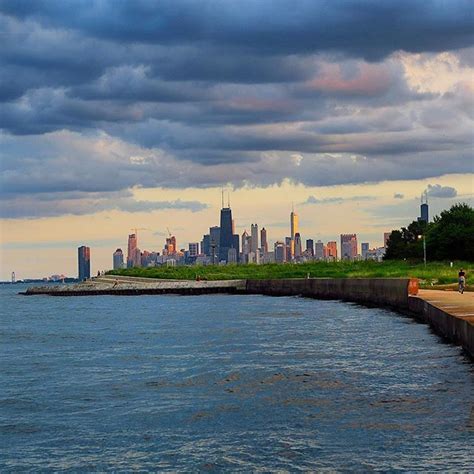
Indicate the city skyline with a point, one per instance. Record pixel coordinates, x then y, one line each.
153 240
109 124
253 248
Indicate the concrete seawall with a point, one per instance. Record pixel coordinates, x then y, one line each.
456 328
371 291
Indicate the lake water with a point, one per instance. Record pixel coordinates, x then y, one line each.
222 382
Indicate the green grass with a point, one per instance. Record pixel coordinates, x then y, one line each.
434 272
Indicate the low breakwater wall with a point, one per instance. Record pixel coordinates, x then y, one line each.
454 329
142 286
370 291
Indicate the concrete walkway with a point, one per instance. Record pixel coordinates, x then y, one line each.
452 302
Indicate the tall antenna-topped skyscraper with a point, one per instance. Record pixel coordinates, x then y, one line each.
226 238
293 229
424 215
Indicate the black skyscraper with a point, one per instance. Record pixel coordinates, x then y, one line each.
226 238
424 212
424 216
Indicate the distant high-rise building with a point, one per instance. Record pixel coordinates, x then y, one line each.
232 255
145 258
206 245
137 258
244 239
424 214
319 250
293 230
310 246
297 245
386 237
171 246
84 262
193 249
332 250
246 246
226 234
132 245
118 259
280 252
263 241
348 246
235 245
254 238
215 237
364 250
289 247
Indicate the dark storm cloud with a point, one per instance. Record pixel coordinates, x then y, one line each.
31 207
361 28
99 97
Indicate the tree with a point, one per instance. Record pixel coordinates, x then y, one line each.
406 243
451 236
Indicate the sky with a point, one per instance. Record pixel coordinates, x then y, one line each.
119 114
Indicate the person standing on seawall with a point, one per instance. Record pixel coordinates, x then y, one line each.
461 280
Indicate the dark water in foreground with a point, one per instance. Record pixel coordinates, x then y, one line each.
226 383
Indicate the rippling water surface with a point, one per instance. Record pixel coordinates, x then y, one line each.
226 383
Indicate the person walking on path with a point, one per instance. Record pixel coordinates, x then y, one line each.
461 280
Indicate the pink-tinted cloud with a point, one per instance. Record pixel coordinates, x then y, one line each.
368 80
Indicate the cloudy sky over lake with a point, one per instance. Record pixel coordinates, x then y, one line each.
120 114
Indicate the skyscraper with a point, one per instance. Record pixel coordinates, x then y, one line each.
293 230
424 217
263 241
364 249
171 247
254 238
84 262
118 259
319 250
289 246
297 245
246 246
226 235
193 249
236 246
310 246
332 250
232 256
280 252
206 245
215 237
132 245
348 246
386 237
